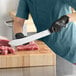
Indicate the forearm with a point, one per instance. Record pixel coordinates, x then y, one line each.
72 17
18 25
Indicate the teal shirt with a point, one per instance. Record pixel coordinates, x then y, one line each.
44 13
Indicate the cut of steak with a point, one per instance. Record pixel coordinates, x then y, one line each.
4 41
30 46
11 50
5 48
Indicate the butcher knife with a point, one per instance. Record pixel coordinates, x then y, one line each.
56 27
25 40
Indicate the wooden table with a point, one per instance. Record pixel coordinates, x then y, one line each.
42 57
30 71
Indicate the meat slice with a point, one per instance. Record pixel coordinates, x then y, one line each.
4 41
5 48
30 46
11 50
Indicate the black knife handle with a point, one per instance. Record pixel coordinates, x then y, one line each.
59 24
19 36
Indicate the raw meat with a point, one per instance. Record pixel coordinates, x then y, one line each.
5 48
31 46
4 41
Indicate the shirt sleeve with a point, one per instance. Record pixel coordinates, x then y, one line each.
23 10
71 3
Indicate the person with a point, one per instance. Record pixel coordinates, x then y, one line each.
47 14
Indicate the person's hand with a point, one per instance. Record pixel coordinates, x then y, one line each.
59 24
19 36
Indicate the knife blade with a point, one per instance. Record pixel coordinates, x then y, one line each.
34 37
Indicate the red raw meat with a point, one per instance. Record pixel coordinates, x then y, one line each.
11 50
30 46
4 41
5 48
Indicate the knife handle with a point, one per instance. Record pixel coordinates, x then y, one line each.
19 36
59 24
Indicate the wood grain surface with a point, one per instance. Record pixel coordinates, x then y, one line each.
42 57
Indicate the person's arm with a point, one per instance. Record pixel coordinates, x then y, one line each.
21 15
18 25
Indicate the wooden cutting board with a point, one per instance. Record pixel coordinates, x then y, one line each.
42 57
